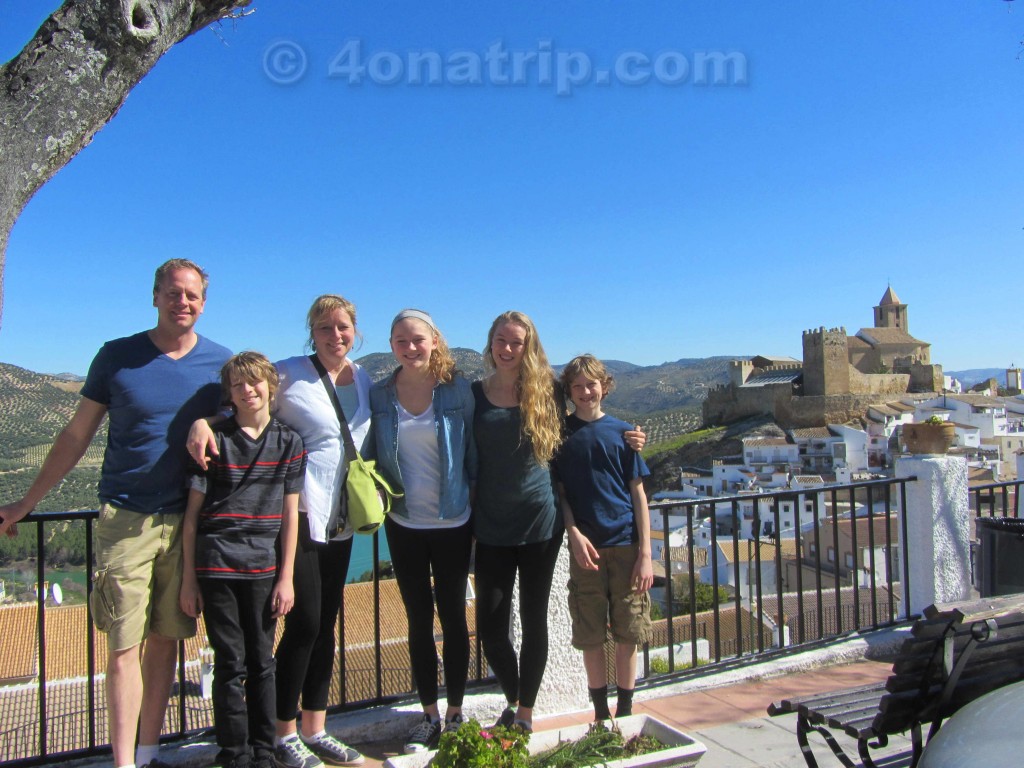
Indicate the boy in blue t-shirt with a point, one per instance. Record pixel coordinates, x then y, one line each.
240 509
606 517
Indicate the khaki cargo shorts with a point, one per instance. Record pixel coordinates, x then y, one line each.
605 597
138 577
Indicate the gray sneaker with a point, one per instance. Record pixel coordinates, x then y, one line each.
334 752
293 753
452 725
424 736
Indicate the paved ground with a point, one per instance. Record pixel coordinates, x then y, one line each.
732 722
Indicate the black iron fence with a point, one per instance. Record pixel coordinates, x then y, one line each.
788 588
781 590
997 499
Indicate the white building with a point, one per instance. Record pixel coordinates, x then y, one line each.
986 413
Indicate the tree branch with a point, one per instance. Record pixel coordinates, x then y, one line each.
72 78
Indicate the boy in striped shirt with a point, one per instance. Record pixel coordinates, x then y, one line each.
239 510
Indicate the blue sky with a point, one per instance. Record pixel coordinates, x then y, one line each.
866 142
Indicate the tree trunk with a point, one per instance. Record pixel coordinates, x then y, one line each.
73 77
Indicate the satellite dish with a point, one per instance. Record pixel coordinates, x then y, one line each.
58 594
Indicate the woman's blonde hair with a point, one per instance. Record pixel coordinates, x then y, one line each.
442 363
541 413
325 305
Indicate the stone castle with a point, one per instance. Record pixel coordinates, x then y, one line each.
840 375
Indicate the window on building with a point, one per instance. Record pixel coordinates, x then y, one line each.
812 549
849 560
831 554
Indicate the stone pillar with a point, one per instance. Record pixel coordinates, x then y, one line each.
565 683
938 530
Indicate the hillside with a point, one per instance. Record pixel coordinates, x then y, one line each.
665 399
697 454
35 408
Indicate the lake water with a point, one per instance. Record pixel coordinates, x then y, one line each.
362 554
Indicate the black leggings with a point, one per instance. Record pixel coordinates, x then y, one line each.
496 569
415 553
305 655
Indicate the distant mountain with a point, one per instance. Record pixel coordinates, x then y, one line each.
973 376
380 364
638 389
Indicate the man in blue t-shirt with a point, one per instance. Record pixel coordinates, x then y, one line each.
600 481
152 386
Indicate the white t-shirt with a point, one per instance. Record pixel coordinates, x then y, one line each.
420 465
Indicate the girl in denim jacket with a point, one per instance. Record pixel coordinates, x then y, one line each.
422 438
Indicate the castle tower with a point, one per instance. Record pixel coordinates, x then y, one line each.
890 312
1013 378
826 362
739 371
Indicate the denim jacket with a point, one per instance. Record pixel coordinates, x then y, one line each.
453 422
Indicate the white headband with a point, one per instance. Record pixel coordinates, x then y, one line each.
415 314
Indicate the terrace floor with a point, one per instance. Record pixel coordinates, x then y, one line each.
732 722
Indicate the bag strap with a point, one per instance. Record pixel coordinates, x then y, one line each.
351 453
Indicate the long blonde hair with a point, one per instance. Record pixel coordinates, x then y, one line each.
541 412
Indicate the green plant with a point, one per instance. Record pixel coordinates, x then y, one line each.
934 420
473 746
659 665
597 747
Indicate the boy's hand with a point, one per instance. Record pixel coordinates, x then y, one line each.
584 552
282 599
643 573
190 600
635 438
200 442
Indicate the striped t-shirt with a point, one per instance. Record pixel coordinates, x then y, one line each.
245 487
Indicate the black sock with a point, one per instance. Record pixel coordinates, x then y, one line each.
624 704
600 698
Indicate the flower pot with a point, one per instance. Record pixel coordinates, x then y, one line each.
929 439
681 749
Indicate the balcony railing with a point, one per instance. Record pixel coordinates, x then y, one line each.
50 718
997 499
786 618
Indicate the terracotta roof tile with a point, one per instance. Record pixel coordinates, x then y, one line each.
889 336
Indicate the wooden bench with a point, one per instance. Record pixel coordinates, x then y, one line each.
956 653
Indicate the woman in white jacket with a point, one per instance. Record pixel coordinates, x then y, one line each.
305 655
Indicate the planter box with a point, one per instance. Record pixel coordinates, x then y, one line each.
929 439
681 751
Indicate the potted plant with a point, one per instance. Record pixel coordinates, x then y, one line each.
934 436
477 746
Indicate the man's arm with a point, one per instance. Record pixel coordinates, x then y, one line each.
67 449
643 570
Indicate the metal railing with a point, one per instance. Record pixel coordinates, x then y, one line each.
766 610
997 499
775 609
